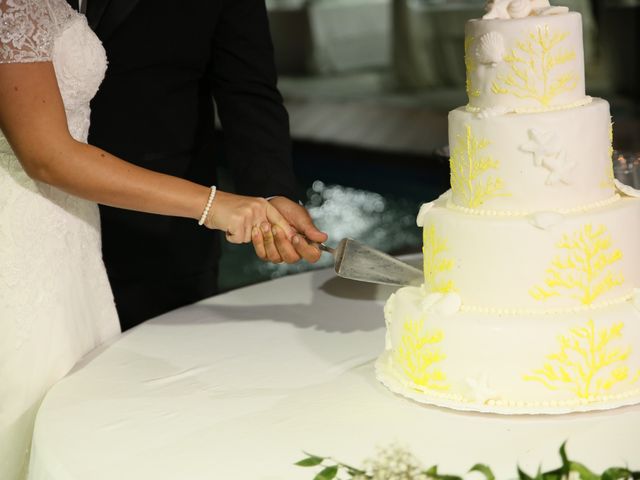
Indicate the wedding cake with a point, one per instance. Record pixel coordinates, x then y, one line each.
530 301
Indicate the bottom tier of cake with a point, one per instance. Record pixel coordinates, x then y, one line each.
539 363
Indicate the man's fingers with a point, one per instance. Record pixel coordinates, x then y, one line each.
269 244
301 220
284 246
311 231
305 250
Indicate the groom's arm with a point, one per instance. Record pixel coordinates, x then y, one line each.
254 120
256 125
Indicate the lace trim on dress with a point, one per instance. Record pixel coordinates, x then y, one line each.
28 29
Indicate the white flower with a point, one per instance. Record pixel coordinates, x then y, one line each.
395 463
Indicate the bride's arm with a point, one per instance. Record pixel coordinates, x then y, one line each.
33 119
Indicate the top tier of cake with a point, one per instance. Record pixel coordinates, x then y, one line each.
529 64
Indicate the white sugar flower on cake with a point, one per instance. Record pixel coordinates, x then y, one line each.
507 9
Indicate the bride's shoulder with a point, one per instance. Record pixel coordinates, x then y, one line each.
28 28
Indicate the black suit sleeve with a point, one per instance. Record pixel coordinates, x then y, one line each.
254 120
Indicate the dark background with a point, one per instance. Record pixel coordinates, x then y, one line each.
368 139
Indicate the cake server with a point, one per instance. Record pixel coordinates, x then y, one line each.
357 261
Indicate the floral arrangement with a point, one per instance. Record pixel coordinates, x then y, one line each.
397 463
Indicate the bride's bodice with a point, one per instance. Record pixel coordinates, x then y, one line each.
50 30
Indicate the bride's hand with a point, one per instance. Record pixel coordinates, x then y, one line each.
238 215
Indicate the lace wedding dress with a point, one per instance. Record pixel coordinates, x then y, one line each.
55 299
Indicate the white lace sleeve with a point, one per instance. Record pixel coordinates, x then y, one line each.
26 31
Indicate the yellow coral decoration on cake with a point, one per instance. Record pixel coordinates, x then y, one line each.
583 271
435 264
587 363
470 65
467 165
532 65
608 182
418 353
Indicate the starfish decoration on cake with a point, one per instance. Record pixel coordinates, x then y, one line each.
480 389
548 153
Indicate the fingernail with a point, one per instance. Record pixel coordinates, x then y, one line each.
255 232
265 227
296 240
275 231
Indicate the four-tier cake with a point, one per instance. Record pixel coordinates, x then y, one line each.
530 302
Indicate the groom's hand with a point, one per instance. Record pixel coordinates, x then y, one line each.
277 246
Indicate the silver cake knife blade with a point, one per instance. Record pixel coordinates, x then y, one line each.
357 261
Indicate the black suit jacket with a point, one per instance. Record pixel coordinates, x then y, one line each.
167 60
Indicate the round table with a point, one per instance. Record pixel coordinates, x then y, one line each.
239 385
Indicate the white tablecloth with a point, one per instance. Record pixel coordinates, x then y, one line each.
237 386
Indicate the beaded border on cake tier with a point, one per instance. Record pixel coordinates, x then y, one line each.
457 397
460 399
523 110
547 311
523 213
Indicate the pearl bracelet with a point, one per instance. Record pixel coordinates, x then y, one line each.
205 213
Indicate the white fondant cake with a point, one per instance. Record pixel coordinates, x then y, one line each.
531 296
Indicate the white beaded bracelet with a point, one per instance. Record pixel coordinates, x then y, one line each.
212 195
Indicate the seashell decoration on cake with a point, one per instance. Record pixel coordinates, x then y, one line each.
520 8
490 49
508 9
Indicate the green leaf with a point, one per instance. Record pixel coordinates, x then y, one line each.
553 475
328 473
309 462
556 474
539 475
565 458
522 475
616 474
485 470
585 473
433 474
